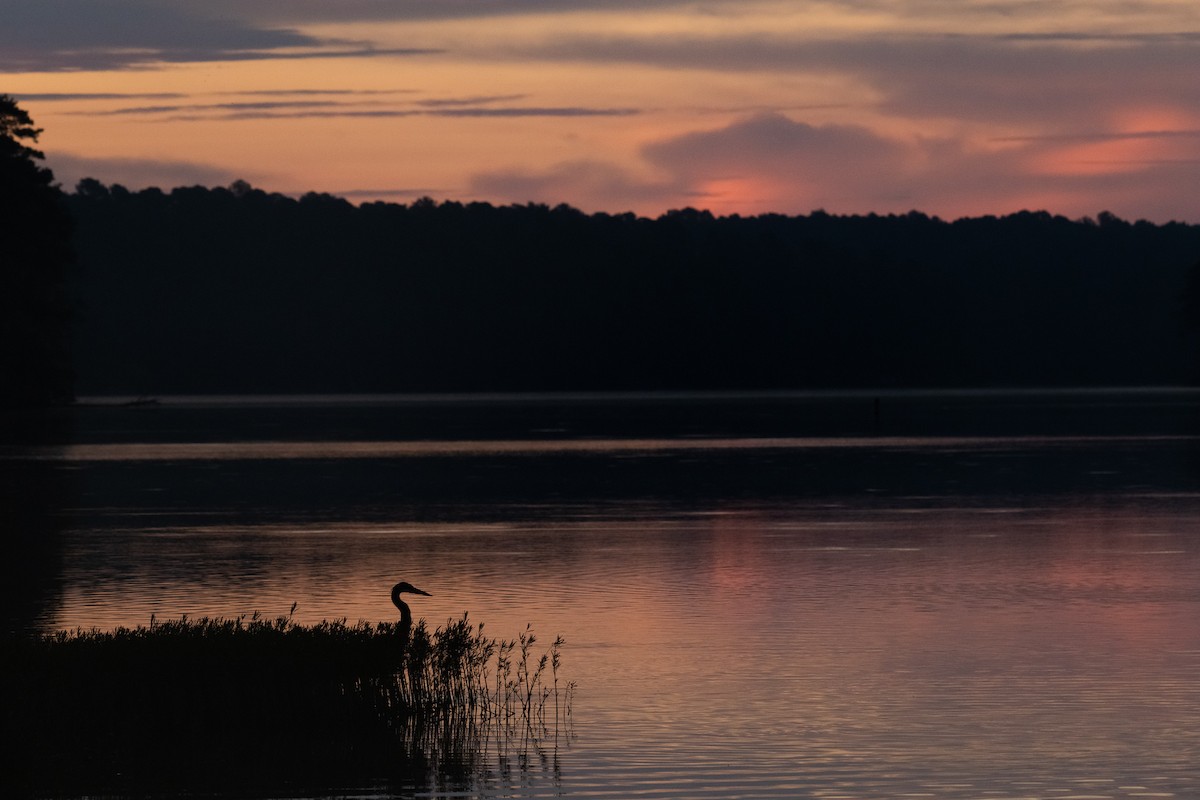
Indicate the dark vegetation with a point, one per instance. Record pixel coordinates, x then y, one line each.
237 290
35 254
218 705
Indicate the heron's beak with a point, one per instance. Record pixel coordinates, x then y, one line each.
418 591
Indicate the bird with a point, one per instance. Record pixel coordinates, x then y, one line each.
405 614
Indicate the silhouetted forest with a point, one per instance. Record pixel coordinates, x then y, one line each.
238 290
35 252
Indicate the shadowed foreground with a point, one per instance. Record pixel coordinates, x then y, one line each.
241 703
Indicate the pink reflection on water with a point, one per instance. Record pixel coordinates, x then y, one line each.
912 648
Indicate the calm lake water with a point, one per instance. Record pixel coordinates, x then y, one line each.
991 595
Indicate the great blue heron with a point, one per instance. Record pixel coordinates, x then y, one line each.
405 614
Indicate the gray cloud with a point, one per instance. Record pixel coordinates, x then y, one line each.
773 141
534 111
68 35
61 34
590 185
353 108
343 97
235 107
1053 84
306 11
832 164
448 102
1098 136
138 173
401 113
394 193
49 35
54 97
987 77
1092 37
300 11
317 92
1161 191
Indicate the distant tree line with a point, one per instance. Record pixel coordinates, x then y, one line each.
238 290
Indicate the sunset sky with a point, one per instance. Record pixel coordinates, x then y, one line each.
951 107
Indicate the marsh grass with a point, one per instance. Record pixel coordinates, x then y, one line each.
249 701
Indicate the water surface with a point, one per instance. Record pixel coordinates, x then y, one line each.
960 596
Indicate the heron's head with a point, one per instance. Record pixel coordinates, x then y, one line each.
401 587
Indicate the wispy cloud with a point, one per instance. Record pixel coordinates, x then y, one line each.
983 77
353 107
106 34
53 97
343 92
63 35
860 51
534 111
199 108
450 102
1102 136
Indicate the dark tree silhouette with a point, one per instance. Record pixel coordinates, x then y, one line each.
1191 316
1191 299
239 290
34 255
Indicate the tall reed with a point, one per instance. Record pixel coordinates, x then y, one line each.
253 701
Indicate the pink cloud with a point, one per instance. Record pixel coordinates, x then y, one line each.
788 165
771 163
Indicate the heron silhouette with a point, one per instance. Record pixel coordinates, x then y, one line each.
405 613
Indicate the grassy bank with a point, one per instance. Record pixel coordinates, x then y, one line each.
217 703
